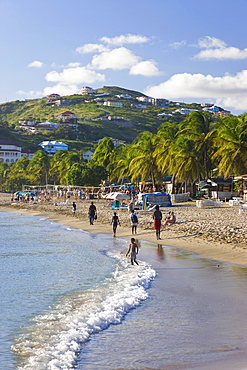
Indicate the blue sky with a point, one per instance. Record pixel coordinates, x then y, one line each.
181 50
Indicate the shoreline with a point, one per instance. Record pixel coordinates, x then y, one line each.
188 235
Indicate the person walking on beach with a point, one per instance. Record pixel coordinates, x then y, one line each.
92 213
157 217
133 251
115 223
134 221
74 208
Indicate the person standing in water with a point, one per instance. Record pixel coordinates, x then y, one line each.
115 223
133 251
157 217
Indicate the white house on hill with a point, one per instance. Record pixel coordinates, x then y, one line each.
87 90
11 152
87 155
51 147
49 126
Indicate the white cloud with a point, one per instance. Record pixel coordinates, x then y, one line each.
209 42
57 89
218 49
91 48
229 90
145 68
77 75
178 44
29 94
125 39
116 59
36 64
74 64
61 90
222 54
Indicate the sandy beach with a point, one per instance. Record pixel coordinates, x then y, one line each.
216 233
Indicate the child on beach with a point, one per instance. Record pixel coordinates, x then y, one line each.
133 250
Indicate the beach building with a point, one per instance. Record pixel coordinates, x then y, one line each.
243 187
51 147
220 188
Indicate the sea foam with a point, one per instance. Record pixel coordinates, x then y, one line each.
56 338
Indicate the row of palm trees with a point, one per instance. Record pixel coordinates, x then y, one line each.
187 151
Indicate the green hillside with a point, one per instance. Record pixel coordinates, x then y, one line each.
90 114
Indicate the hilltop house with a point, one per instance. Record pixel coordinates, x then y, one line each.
124 96
158 102
144 99
51 147
49 126
87 90
113 103
52 99
87 155
11 152
68 119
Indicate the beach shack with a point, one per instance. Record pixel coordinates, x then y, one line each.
221 188
243 187
151 199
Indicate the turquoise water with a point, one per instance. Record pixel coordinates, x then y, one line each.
69 299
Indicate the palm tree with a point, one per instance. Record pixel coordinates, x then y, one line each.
38 168
199 128
231 146
61 162
164 142
187 166
144 165
102 153
119 166
58 168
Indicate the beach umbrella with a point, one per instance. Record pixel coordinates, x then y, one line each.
206 186
117 196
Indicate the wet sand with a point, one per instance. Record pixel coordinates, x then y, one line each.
216 233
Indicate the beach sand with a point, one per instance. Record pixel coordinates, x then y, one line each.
216 233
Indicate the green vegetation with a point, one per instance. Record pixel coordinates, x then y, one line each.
186 147
91 127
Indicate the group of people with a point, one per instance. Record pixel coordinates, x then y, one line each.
133 247
157 217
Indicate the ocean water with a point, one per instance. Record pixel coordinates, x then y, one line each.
71 300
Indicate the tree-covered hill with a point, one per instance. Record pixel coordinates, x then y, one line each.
92 118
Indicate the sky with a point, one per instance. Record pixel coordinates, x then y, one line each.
181 50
